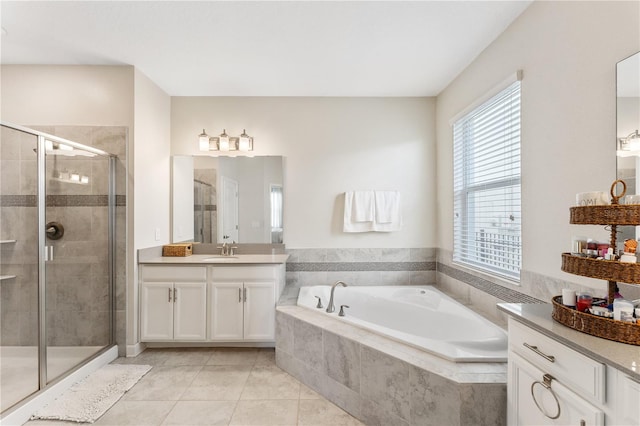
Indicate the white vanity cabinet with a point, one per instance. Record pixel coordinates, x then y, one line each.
209 303
243 303
173 303
550 383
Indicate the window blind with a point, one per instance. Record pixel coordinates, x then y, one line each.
486 168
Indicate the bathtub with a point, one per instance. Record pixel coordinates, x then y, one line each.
420 316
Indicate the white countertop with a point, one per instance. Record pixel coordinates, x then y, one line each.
214 259
621 356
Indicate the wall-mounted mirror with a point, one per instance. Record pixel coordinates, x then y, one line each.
233 199
628 120
627 127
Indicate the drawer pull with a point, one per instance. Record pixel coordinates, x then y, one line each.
546 383
549 358
169 295
239 295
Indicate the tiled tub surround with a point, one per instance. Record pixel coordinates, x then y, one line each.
371 266
383 382
482 292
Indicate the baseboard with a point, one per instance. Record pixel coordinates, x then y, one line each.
135 350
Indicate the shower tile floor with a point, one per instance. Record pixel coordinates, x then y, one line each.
217 386
19 368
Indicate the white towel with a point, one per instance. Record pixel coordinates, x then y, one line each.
367 211
387 211
358 211
362 206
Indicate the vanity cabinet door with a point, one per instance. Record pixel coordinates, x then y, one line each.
526 403
227 300
260 311
190 311
156 316
629 401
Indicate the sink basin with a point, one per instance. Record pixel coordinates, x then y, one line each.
219 258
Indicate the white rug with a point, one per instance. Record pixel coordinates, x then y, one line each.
88 399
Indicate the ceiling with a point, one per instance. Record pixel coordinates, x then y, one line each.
263 48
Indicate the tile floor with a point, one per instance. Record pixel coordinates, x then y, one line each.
217 386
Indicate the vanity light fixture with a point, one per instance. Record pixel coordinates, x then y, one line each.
224 142
629 145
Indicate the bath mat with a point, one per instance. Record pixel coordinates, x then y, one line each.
88 399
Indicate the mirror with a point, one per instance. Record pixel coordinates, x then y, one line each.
232 199
628 120
627 127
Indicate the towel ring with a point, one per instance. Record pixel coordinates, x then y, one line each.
546 383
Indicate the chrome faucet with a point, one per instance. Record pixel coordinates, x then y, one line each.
224 249
331 307
227 249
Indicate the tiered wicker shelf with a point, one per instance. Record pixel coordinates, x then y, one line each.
610 270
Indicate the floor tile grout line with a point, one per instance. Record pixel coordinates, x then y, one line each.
168 413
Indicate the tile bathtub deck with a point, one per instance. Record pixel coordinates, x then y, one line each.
217 386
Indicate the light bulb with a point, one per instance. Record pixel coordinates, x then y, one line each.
246 142
203 141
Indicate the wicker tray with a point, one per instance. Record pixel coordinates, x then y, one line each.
610 270
614 214
596 326
177 250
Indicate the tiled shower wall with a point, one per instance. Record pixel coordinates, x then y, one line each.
78 309
18 221
206 204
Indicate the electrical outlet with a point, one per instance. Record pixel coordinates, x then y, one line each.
157 234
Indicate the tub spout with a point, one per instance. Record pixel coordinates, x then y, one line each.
331 307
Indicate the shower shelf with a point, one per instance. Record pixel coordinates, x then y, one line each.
6 277
7 241
70 181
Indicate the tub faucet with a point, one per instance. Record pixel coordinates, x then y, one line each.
331 307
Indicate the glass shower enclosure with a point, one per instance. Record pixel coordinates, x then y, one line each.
57 224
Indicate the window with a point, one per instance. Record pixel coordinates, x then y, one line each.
276 213
486 167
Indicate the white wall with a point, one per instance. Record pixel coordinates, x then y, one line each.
151 179
568 52
67 95
330 145
152 162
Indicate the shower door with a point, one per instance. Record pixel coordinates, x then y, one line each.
18 267
77 256
57 222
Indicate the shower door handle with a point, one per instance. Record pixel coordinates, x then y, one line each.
48 253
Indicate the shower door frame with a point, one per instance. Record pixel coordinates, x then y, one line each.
41 240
